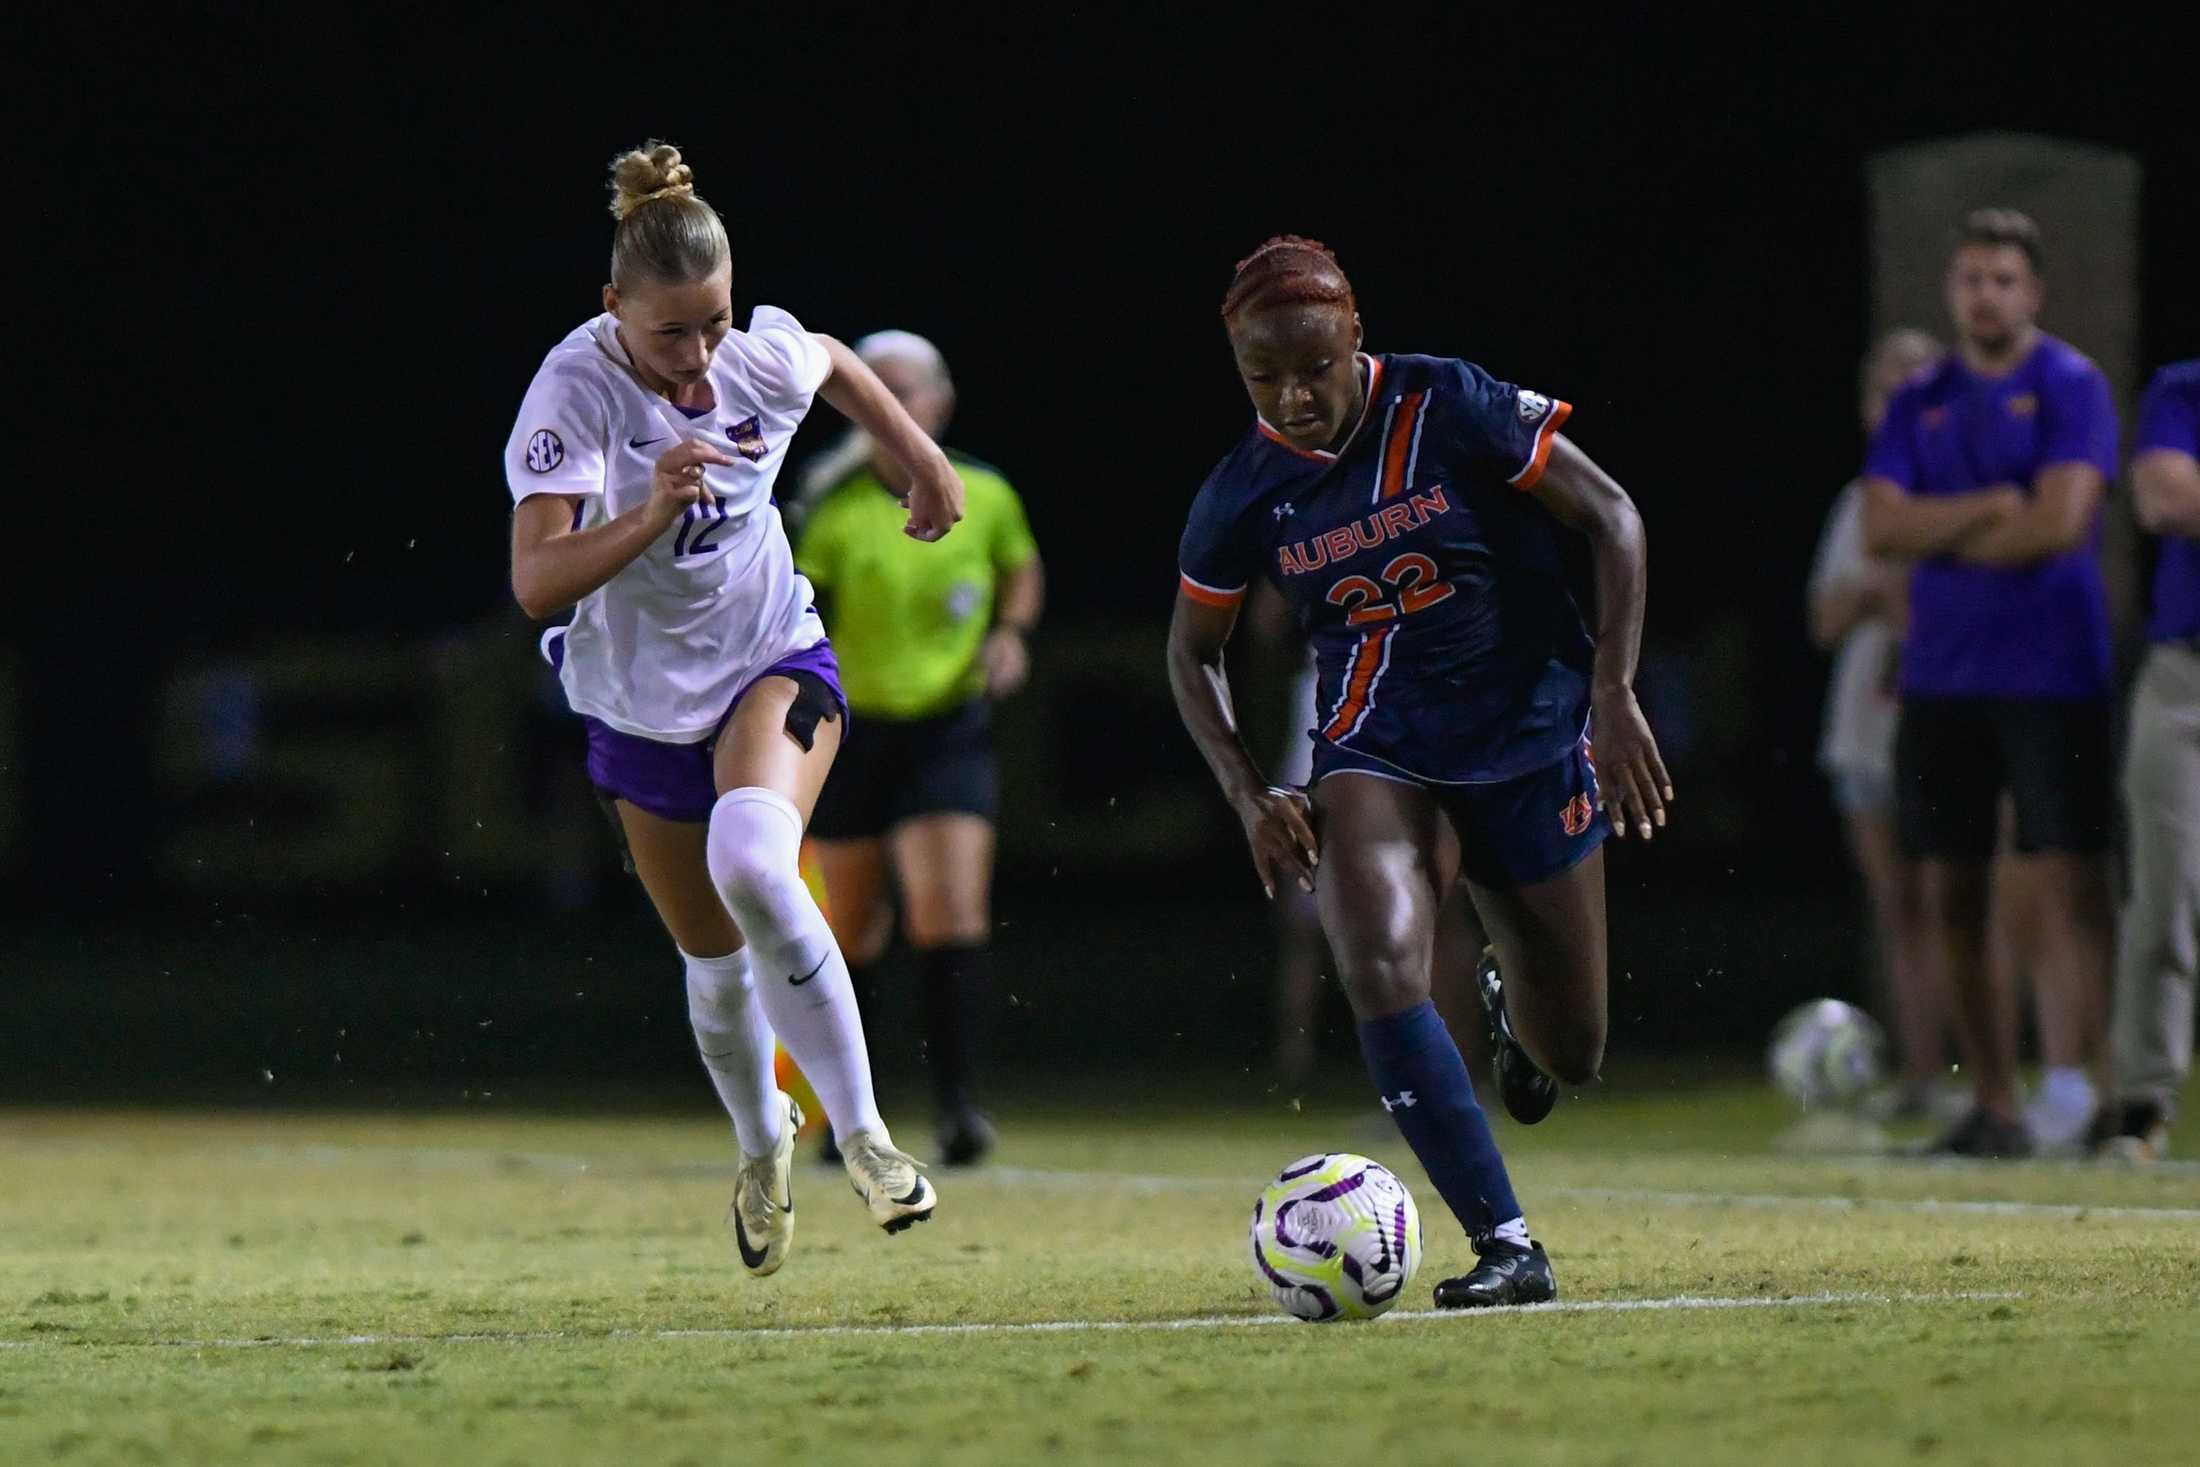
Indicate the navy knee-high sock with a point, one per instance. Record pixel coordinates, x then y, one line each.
1424 1085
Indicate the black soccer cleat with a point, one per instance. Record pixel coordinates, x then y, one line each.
1986 1137
1508 1274
1528 1093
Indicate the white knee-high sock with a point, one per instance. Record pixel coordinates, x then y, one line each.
735 1041
801 978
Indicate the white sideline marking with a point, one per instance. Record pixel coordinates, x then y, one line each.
1037 1327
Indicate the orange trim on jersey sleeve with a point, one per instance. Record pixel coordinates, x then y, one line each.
1400 446
1208 595
1529 476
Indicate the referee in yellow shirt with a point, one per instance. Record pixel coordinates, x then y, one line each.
927 637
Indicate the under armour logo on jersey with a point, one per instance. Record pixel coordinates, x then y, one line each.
544 451
1533 407
1284 511
1405 1101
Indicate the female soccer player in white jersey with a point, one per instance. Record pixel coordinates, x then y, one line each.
642 467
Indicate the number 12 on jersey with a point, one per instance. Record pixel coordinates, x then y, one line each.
1412 576
698 524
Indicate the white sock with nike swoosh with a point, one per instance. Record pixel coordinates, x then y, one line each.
755 849
735 1041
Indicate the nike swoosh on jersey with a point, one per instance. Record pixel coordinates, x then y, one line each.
806 977
643 442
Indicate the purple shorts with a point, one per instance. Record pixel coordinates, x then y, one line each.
674 781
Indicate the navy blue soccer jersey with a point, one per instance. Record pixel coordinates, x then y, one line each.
1433 589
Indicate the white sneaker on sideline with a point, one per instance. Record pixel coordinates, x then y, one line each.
890 1182
763 1201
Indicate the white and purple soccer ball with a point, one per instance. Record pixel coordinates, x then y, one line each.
1826 1054
1336 1236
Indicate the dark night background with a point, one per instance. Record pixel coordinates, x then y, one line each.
291 275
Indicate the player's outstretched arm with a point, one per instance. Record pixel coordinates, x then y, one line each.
555 565
930 487
2055 518
1275 820
1630 771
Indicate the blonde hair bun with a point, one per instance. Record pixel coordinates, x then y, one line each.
652 171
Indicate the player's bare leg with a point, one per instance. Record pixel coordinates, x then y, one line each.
1385 865
770 763
731 1032
1550 942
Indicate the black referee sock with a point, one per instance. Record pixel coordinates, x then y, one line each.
958 984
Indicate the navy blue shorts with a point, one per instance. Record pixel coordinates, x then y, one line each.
894 769
1515 832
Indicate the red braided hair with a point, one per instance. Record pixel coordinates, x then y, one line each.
1287 270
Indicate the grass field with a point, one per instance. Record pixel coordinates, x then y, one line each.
483 1288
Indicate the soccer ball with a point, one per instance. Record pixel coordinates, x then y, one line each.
1826 1053
1336 1237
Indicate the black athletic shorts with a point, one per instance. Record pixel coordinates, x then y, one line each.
892 769
1954 756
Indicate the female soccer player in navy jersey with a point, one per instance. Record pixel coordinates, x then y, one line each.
641 470
1410 509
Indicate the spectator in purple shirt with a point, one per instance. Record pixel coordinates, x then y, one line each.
2158 944
1989 473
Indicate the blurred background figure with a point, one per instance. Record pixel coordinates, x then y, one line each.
1856 612
1989 472
928 636
2158 945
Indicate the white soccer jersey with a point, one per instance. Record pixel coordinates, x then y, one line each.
661 649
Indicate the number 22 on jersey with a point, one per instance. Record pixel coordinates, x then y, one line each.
1412 576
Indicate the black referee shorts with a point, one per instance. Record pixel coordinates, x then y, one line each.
894 769
1954 756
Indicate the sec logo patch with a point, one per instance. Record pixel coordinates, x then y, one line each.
545 451
1534 407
